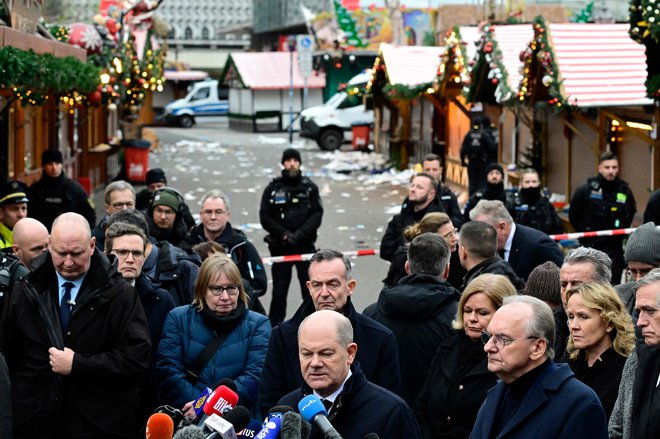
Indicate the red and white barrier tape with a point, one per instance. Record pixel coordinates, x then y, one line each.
374 252
308 256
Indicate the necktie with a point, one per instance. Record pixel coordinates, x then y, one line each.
327 404
65 306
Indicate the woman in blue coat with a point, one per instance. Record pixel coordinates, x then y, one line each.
219 308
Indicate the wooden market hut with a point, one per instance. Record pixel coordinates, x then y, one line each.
584 85
403 117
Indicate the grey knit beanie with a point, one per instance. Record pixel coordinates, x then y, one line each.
543 283
644 245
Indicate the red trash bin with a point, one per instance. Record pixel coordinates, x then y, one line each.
136 159
360 135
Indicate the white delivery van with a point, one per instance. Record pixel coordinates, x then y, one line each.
205 98
330 124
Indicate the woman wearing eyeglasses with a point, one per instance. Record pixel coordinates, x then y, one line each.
602 337
219 318
458 379
434 222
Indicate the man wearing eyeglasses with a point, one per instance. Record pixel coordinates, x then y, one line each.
127 243
76 342
642 255
535 398
215 226
118 195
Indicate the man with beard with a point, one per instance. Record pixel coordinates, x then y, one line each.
532 208
494 190
55 193
604 202
291 213
421 200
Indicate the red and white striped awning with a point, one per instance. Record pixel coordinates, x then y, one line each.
185 75
599 64
411 65
511 40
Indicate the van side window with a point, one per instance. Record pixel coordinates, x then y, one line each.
223 93
202 93
351 101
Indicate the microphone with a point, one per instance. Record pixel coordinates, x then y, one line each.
312 410
190 432
278 411
271 429
198 405
159 426
236 419
294 427
228 382
372 436
251 430
221 401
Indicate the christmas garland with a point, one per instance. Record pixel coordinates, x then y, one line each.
452 63
404 92
33 77
540 56
644 20
488 59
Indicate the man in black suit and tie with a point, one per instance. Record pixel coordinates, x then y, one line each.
522 247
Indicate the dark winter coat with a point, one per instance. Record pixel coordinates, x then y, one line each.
490 192
5 400
535 211
456 385
602 205
494 265
174 270
419 311
393 238
242 252
377 354
291 207
362 408
108 333
531 248
240 357
556 406
652 211
603 377
50 197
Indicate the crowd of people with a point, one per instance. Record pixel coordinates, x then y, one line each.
484 327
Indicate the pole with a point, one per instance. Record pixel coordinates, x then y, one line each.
305 93
291 40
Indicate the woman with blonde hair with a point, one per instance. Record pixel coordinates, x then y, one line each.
218 317
458 379
601 338
434 222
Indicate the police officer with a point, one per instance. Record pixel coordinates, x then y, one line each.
291 213
604 202
532 208
479 149
493 190
13 207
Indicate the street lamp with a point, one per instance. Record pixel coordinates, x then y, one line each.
291 46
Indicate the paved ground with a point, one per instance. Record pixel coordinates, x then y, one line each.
211 156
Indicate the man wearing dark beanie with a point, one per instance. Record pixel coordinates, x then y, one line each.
641 256
494 190
55 193
291 213
156 179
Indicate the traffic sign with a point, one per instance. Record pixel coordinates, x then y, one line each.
305 49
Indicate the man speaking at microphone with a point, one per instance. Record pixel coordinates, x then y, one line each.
355 406
76 341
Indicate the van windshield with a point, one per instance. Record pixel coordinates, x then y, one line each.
336 99
202 93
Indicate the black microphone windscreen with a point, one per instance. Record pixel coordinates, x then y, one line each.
190 432
227 382
372 436
239 417
290 426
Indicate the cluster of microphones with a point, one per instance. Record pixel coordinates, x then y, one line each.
220 417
